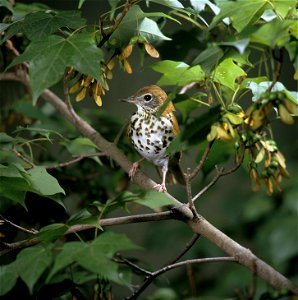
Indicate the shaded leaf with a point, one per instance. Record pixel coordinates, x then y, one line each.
95 256
31 263
8 278
40 24
209 58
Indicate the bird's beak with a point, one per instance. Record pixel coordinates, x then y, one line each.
129 100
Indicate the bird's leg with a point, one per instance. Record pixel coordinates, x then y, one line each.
134 168
162 187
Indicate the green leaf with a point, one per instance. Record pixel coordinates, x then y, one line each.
66 257
31 263
235 11
282 7
149 29
110 242
5 138
154 199
209 58
48 59
169 3
135 23
41 182
14 189
38 25
178 73
95 256
52 232
275 33
81 145
227 72
8 278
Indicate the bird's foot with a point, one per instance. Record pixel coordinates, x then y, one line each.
133 169
161 188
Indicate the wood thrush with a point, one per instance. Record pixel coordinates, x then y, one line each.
151 133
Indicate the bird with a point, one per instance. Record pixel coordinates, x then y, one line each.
151 129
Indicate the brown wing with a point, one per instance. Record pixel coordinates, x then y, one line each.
169 110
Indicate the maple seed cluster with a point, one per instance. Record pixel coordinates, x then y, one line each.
87 83
127 51
266 163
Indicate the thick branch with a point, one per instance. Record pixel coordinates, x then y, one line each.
243 255
103 223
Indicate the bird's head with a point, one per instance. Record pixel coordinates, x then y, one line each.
150 99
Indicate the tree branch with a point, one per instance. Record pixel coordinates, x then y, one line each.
202 161
31 231
167 268
103 223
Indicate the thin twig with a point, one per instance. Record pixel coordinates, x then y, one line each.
189 244
236 167
176 265
278 66
123 260
22 157
219 173
189 193
31 231
202 161
117 23
119 134
73 161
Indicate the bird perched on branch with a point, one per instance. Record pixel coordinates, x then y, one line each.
151 130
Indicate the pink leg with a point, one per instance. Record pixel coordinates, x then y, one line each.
134 168
162 187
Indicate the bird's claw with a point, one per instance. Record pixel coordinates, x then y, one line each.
161 188
133 169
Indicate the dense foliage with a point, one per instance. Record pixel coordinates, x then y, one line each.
228 67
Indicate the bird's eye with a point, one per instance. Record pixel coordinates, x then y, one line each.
147 97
